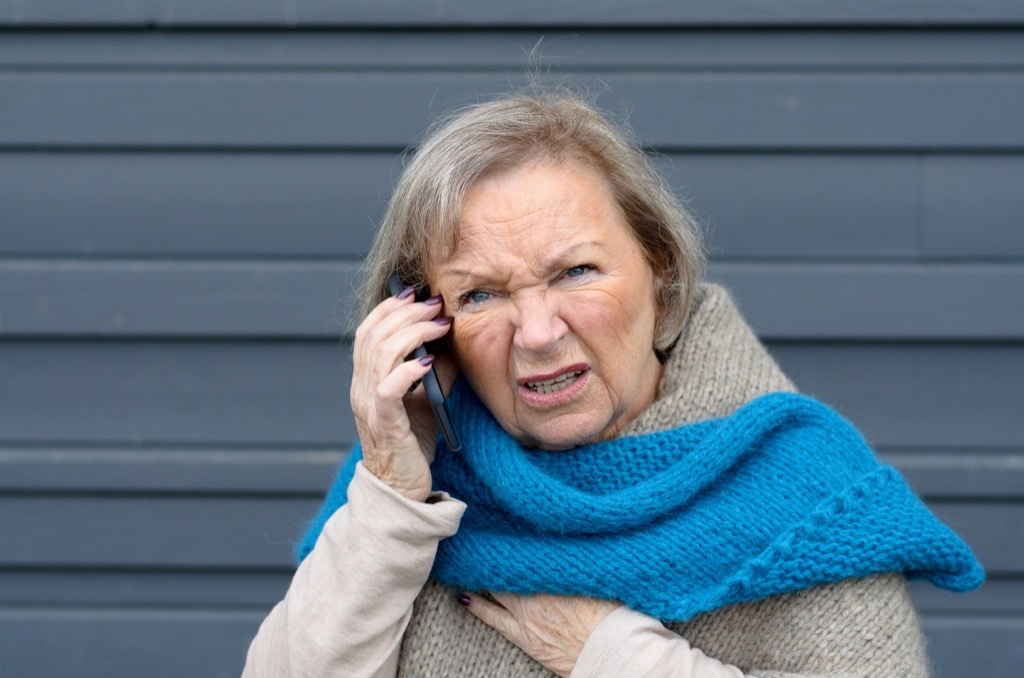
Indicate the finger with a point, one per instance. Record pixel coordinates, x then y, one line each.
392 367
391 314
383 346
384 308
388 416
492 614
408 337
398 383
377 314
398 333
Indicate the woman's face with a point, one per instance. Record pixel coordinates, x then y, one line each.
554 306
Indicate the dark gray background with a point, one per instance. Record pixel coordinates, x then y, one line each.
186 189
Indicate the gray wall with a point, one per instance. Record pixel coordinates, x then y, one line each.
186 189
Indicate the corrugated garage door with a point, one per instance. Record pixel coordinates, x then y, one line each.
186 190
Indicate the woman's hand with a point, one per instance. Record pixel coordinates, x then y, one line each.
551 629
396 428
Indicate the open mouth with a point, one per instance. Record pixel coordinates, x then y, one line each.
554 385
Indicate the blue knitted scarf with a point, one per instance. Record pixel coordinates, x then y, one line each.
782 495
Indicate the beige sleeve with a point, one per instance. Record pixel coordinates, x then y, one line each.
351 599
855 627
629 643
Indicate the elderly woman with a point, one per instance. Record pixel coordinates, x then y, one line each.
640 491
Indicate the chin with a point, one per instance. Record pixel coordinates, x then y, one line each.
561 437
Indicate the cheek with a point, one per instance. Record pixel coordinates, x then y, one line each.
481 347
617 315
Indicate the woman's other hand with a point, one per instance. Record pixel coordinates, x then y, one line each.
396 428
550 628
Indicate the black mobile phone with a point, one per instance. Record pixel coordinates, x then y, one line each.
432 386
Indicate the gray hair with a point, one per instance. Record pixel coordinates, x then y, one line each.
421 225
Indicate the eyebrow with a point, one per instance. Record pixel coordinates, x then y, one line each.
552 262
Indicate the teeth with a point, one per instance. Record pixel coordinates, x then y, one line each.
556 384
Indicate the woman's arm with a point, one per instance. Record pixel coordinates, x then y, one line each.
856 627
579 637
351 599
631 643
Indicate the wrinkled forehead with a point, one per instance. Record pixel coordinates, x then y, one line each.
532 221
452 233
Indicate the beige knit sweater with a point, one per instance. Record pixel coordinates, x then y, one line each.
863 627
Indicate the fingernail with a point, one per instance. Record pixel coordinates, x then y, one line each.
406 293
433 301
426 360
463 599
443 320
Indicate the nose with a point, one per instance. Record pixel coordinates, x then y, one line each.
539 324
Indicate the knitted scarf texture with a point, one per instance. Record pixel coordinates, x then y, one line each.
779 496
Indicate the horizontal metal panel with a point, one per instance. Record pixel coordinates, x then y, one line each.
974 474
193 204
202 470
917 396
327 204
974 207
486 13
965 646
146 587
183 298
385 110
1004 595
928 397
618 49
293 393
151 531
850 301
155 531
964 475
796 206
101 642
316 299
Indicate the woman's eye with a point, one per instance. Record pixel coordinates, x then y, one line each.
577 271
474 297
